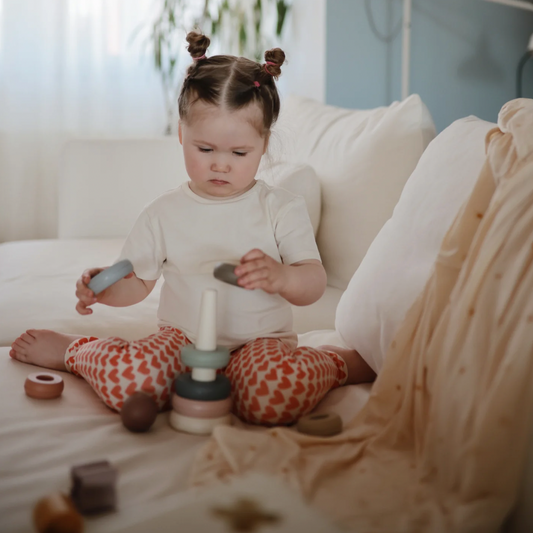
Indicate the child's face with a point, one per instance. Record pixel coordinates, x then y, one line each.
222 149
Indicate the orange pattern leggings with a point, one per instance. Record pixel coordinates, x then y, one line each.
270 383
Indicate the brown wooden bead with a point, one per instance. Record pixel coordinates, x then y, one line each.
56 513
139 412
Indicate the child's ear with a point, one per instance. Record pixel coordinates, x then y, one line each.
179 132
267 139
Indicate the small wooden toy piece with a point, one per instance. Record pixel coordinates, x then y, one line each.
56 513
320 425
44 385
110 275
226 272
139 412
94 487
202 398
198 426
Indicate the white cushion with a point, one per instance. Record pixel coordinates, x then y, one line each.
400 260
363 159
106 183
299 179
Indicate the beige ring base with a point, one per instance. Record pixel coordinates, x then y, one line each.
320 424
199 409
197 426
44 385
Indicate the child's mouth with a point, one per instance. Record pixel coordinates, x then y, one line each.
219 182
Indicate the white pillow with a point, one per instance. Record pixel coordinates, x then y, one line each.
400 260
105 183
363 159
298 179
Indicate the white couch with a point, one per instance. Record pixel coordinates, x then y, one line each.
350 166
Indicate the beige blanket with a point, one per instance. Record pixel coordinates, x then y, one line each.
441 443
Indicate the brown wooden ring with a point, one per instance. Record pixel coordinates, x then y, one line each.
56 512
320 424
44 385
199 409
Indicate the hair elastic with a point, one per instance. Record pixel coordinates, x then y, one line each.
257 84
198 58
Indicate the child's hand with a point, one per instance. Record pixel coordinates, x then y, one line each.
86 296
259 271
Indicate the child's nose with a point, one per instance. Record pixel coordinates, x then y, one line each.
220 166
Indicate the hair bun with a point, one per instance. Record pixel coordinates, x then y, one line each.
198 44
273 60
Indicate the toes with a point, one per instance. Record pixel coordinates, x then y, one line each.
32 333
27 338
19 346
19 356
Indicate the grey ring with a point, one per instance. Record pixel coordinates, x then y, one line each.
203 391
226 272
215 359
110 275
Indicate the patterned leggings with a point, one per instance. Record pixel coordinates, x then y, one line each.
270 383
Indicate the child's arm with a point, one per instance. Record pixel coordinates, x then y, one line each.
301 283
128 291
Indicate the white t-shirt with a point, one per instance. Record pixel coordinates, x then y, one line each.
183 236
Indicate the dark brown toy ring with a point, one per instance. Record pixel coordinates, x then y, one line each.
44 385
320 424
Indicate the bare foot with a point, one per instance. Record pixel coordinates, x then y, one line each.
358 369
42 347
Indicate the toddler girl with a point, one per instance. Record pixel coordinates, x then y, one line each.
227 107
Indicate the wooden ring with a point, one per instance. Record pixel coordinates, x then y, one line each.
197 426
56 512
196 409
204 391
194 358
320 424
44 385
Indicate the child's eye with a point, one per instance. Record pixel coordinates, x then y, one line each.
241 154
205 150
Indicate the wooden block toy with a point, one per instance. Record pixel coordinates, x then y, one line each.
94 487
44 385
55 513
320 425
139 412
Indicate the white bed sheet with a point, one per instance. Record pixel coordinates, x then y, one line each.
41 439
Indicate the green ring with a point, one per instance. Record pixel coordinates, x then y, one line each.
194 358
204 391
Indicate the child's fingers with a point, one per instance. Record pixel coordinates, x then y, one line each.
254 276
253 254
82 308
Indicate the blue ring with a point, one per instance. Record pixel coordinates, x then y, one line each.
110 275
203 391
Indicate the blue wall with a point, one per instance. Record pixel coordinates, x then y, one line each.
463 58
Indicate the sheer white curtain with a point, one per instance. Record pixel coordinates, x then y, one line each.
68 68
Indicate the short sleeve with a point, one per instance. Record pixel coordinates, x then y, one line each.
294 233
145 248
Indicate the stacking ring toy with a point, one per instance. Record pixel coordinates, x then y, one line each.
110 275
56 512
194 358
321 425
226 272
198 426
196 409
204 391
44 385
